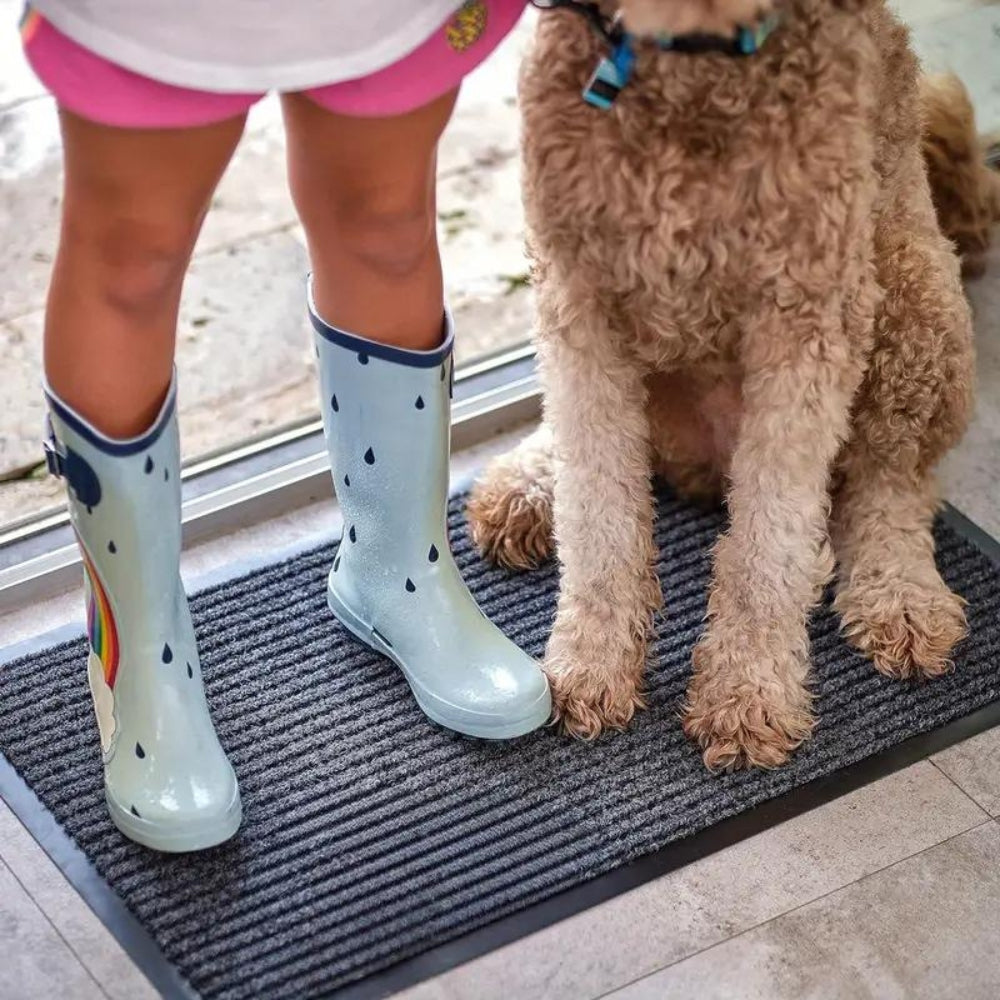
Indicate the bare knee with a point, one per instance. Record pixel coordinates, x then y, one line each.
389 235
395 243
136 266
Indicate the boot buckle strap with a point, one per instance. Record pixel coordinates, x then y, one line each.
55 460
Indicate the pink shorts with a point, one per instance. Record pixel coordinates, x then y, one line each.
103 92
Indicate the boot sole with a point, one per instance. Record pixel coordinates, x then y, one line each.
488 729
177 839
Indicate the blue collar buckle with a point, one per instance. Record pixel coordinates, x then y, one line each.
614 70
610 75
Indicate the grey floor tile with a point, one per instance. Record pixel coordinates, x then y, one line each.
34 961
725 894
926 927
89 940
920 12
432 989
966 44
974 765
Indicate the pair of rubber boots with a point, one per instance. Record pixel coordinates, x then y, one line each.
394 584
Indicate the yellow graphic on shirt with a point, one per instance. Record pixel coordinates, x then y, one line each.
31 21
467 26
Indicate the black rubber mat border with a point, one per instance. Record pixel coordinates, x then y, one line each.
140 946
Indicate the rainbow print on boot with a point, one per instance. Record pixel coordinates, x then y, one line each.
102 665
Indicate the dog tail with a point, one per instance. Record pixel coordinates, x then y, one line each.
964 179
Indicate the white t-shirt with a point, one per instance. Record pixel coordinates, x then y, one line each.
235 46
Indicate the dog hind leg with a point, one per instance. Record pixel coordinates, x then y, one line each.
510 508
912 407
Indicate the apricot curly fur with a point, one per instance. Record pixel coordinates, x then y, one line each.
745 725
965 191
908 633
585 710
741 284
510 507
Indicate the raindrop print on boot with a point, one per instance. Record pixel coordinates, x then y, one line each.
402 593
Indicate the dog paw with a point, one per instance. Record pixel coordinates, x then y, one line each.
585 706
907 630
511 523
595 685
740 721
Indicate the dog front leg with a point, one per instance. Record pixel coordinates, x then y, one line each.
603 514
747 701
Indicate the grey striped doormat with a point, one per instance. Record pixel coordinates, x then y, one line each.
370 836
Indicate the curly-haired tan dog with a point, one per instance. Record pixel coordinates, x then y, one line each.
742 286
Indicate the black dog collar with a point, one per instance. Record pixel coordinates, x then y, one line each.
614 70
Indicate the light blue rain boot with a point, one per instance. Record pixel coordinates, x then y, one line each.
167 781
394 583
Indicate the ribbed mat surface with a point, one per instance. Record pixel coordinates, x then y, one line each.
369 835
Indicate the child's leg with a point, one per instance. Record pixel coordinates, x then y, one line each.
133 204
365 191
